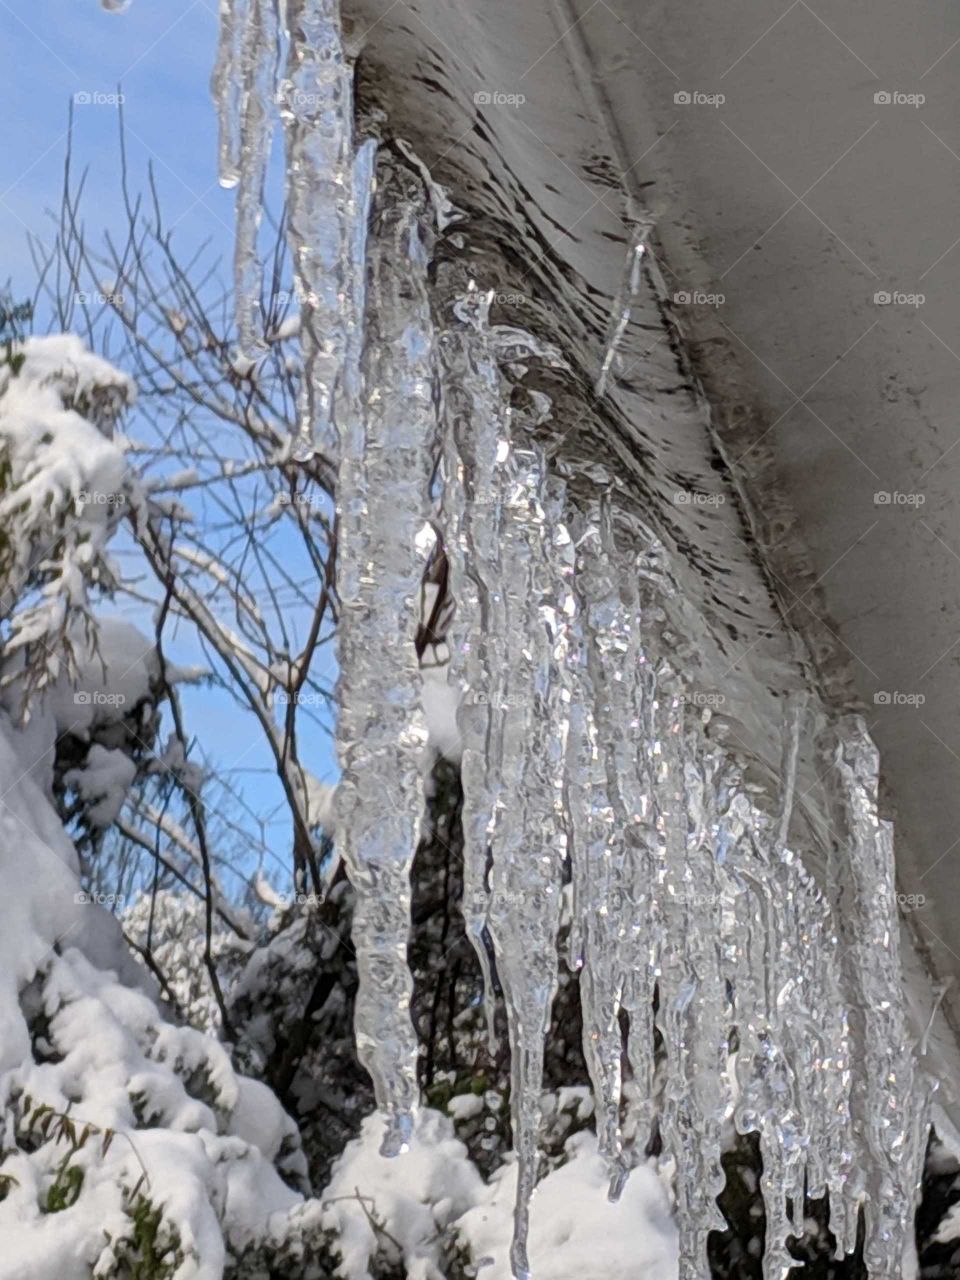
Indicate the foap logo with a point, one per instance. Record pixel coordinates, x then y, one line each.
697 298
96 98
884 498
911 901
894 298
94 298
86 897
698 699
302 100
285 499
696 98
298 900
299 698
96 498
894 698
687 498
98 698
894 98
494 98
694 899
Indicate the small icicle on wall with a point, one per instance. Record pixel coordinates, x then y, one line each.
778 998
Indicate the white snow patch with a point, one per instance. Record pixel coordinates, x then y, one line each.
319 800
415 1195
103 782
574 1229
63 362
258 1118
465 1106
440 702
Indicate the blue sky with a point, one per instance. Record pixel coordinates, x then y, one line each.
160 54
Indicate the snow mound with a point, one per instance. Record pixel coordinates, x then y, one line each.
576 1233
415 1211
376 1205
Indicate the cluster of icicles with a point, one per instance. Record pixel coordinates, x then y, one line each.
778 1006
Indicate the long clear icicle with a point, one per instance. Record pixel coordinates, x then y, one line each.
225 87
597 848
612 833
890 1099
257 73
476 431
316 103
529 836
326 191
382 502
768 1092
691 1013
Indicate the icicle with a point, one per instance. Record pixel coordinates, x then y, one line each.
778 1082
316 100
822 1029
780 1063
327 192
476 420
692 1015
812 1026
630 758
890 1098
529 837
363 179
771 1088
623 304
598 841
382 502
792 1062
613 835
225 87
258 67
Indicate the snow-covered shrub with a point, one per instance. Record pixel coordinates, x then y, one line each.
127 1143
63 484
173 927
129 1146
